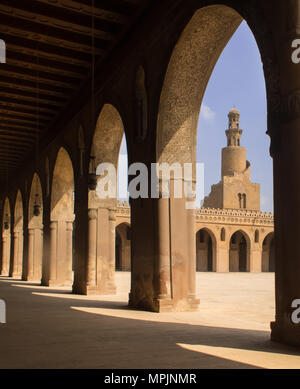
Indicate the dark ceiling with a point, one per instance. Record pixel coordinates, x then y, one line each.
49 56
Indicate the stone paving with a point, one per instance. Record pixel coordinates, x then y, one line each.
51 328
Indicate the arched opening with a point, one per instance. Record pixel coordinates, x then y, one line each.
239 252
118 252
123 247
223 234
17 261
268 253
6 238
62 218
188 72
32 269
205 251
103 199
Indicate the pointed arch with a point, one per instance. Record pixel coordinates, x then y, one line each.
206 247
268 253
62 190
123 247
17 261
33 266
186 78
108 135
58 269
105 148
239 252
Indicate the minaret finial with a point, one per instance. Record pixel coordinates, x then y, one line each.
233 133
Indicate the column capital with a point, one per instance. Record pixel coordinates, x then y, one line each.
69 226
92 213
53 225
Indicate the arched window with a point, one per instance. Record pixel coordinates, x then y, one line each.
223 234
244 201
256 236
240 200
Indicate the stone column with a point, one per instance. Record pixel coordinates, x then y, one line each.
39 260
256 258
112 250
30 257
100 277
4 264
68 274
287 232
284 129
222 256
163 279
33 269
15 272
163 244
53 254
92 250
191 231
60 254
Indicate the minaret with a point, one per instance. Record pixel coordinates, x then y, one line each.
234 155
235 190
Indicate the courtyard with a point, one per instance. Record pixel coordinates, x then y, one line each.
49 327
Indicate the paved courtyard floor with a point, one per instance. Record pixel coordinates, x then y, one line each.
51 328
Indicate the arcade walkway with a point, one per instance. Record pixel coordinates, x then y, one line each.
51 328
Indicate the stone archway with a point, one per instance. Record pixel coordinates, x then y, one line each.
33 267
205 251
6 238
123 247
18 236
59 261
239 252
169 280
105 148
268 253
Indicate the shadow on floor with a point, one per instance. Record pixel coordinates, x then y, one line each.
47 329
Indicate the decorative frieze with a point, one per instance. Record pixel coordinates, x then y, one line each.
234 216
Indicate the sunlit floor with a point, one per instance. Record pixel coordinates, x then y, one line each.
51 328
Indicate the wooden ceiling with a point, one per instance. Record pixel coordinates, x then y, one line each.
49 56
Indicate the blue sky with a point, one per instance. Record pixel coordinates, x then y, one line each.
237 80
